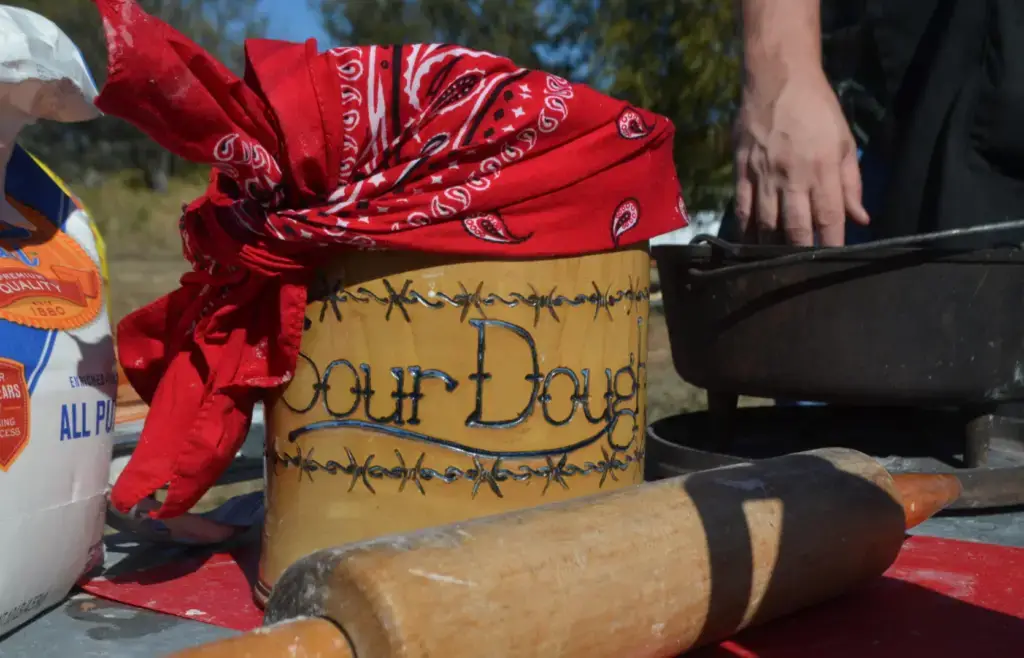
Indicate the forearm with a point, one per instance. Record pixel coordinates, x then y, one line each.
781 38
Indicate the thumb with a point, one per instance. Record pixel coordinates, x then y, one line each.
849 173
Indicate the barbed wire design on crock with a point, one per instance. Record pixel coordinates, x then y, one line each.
333 295
552 472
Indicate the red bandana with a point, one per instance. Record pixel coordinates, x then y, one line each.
426 147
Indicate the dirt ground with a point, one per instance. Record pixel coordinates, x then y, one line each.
136 282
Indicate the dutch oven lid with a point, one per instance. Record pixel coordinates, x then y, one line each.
714 257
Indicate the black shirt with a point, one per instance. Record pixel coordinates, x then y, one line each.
946 80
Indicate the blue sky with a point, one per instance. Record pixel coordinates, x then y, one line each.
292 20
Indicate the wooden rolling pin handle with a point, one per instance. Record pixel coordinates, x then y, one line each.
923 495
309 638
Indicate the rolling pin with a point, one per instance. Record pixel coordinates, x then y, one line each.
648 572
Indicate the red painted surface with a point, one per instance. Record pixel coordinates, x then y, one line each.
942 599
215 589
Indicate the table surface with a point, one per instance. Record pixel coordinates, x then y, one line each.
87 627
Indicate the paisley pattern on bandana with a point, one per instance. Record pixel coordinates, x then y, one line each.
421 147
625 218
632 125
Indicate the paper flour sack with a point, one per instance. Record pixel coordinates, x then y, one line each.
58 380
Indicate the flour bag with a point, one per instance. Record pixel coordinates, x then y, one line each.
58 379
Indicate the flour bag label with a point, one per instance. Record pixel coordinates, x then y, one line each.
58 385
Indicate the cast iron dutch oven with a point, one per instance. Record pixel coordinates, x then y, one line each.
896 321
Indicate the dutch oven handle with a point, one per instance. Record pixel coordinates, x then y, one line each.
812 254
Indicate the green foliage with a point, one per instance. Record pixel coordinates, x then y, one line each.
680 58
531 34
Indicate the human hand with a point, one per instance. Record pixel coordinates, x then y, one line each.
796 163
